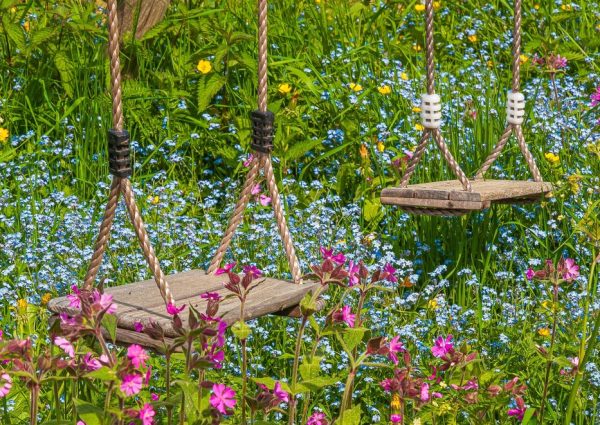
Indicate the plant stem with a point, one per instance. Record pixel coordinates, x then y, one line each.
550 352
244 380
33 412
168 384
347 397
292 404
583 353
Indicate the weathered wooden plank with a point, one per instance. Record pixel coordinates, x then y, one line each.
433 203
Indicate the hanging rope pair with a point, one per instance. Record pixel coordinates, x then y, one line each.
262 146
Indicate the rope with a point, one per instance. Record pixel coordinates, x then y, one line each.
416 158
146 245
237 216
535 172
262 55
516 81
286 238
495 153
437 212
458 172
261 161
103 235
430 52
122 184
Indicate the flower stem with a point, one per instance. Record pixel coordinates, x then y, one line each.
292 404
33 412
168 385
244 380
550 352
347 397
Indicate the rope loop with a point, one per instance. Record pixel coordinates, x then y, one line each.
119 160
263 131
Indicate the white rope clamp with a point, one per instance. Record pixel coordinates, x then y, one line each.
515 108
431 111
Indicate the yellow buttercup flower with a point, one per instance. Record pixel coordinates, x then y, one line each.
355 87
204 66
380 146
284 88
566 7
419 127
472 38
46 298
419 7
523 59
432 304
22 304
404 76
544 332
154 200
3 134
437 5
396 402
416 109
552 158
536 6
26 26
417 48
385 89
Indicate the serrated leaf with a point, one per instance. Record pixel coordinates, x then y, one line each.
109 322
352 337
14 32
208 88
40 36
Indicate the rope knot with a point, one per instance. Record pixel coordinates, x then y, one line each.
119 161
263 131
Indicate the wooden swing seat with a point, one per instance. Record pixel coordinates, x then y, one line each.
141 301
450 195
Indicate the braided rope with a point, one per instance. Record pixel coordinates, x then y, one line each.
103 234
146 245
237 216
517 38
437 212
535 172
286 238
115 65
458 172
262 55
430 52
493 156
416 158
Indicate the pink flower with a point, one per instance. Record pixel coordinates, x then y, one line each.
248 160
255 189
395 346
105 301
66 346
81 423
280 394
328 254
173 310
137 355
6 385
595 97
425 392
74 300
557 61
471 385
353 270
396 419
519 411
154 397
264 200
252 270
569 269
89 363
222 398
228 267
530 274
390 273
212 296
344 315
138 326
442 346
147 414
317 418
132 384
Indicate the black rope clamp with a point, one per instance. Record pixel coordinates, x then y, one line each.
263 131
119 161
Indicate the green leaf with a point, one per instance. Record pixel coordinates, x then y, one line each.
352 336
104 374
300 149
527 418
310 370
320 382
109 322
190 394
41 35
14 32
372 209
241 330
90 414
208 88
66 71
350 416
270 383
